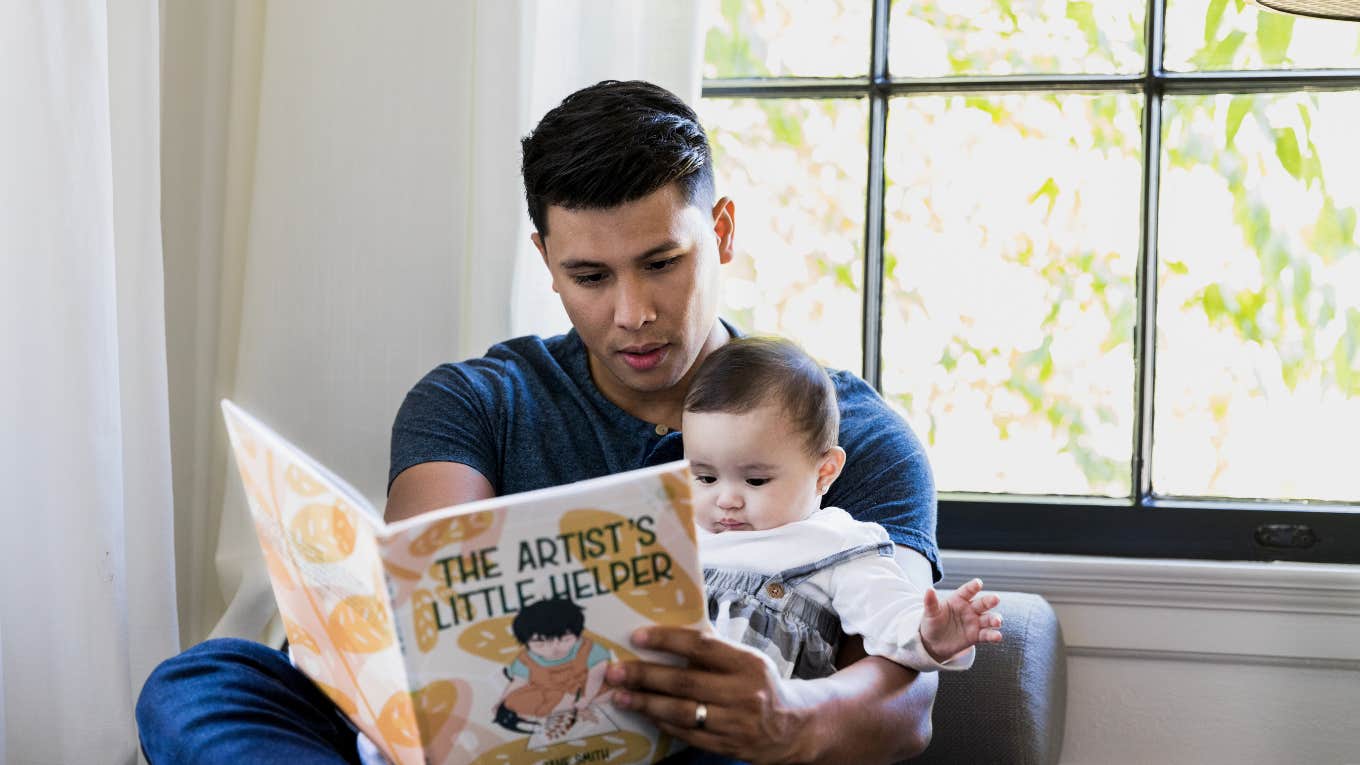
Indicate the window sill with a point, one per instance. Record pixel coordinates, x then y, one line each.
1294 614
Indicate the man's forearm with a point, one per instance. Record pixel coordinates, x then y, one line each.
871 711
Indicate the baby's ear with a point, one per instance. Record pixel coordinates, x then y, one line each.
829 468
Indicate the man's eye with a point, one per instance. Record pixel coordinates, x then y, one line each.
662 265
757 481
705 479
587 280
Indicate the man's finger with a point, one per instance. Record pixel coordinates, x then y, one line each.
682 714
702 739
703 649
685 683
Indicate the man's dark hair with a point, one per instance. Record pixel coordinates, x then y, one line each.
611 143
548 619
749 372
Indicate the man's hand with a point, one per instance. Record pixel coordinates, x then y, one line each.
749 714
959 622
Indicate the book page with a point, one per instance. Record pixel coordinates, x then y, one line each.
323 561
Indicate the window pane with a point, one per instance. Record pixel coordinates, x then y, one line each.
1224 34
787 38
1012 244
997 37
1258 308
796 170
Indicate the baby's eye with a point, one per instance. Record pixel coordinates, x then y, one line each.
757 481
705 479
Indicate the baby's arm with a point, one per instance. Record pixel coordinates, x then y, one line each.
874 599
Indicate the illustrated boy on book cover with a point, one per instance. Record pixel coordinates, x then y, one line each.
477 634
556 684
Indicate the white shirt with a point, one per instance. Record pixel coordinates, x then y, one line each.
872 595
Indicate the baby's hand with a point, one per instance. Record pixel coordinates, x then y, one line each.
959 622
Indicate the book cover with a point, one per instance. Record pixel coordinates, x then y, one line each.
478 633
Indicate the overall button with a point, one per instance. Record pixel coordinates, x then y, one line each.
774 590
662 430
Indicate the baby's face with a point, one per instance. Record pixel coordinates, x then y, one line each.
751 471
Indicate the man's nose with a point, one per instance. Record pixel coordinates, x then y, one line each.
633 306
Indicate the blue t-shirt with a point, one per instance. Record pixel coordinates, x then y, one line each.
527 415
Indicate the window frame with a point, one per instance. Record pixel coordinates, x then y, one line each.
1144 524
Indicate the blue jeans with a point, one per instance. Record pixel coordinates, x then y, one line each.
232 701
229 701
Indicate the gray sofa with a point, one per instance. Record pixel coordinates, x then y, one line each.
1010 707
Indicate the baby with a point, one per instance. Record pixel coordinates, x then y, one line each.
784 575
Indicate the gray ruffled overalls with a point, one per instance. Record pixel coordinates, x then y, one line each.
767 612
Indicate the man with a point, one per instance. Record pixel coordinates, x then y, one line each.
619 184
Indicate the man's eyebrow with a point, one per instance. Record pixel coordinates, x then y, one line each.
666 246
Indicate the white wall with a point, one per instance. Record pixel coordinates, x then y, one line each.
1197 662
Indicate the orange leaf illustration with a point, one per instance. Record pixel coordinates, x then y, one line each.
322 533
302 483
450 530
297 636
678 491
361 624
414 719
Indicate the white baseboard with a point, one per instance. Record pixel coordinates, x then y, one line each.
1293 614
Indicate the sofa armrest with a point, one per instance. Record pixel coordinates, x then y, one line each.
1011 706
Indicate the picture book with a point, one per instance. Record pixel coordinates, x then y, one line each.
478 633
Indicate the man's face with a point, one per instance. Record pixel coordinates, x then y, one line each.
640 284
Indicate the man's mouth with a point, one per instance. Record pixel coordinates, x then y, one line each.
644 357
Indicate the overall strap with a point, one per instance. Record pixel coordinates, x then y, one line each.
797 574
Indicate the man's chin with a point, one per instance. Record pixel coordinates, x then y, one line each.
652 380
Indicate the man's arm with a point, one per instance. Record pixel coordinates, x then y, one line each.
871 710
432 485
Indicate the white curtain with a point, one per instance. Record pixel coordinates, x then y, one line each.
343 212
87 593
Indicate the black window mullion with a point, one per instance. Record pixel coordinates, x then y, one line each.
1145 335
872 332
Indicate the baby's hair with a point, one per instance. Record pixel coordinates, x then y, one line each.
548 619
749 372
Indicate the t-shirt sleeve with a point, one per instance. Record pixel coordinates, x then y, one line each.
887 478
451 415
598 653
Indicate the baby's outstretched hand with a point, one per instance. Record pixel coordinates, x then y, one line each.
960 621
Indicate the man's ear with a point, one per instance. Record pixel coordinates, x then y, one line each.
829 468
725 227
543 253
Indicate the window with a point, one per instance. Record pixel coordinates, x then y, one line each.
1101 255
